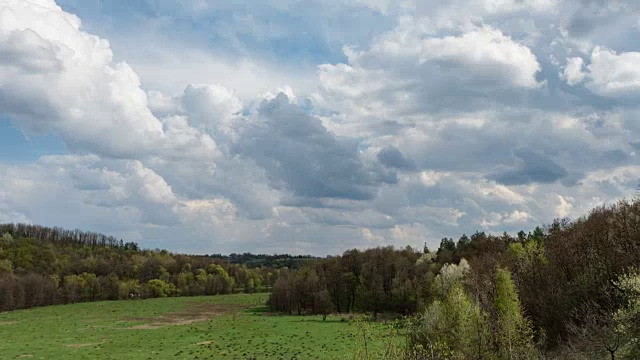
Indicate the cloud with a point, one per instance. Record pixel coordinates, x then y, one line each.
564 207
532 168
250 49
573 72
487 54
614 75
587 19
92 103
209 105
171 67
496 220
391 157
457 13
212 127
112 190
25 49
295 149
410 71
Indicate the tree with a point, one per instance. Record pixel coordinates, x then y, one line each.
324 303
90 286
129 289
449 276
73 287
453 326
6 266
596 333
514 333
281 298
373 287
158 288
447 248
627 318
8 288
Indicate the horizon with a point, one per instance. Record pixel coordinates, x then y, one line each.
298 127
294 255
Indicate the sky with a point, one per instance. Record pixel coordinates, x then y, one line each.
313 127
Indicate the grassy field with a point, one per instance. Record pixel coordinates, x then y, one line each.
217 327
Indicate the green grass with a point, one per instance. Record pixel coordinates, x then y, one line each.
216 327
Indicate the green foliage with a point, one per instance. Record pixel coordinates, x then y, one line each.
426 258
129 289
452 326
158 288
6 266
455 328
376 280
323 302
450 276
514 333
91 267
627 319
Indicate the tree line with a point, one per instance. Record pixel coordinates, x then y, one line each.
265 260
570 289
45 266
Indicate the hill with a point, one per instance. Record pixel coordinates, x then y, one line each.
47 266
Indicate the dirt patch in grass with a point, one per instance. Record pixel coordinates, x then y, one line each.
78 346
148 326
197 313
8 323
206 342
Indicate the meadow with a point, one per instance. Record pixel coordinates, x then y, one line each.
216 327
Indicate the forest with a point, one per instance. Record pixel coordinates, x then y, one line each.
567 290
46 266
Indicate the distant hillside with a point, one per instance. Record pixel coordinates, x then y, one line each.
42 266
263 260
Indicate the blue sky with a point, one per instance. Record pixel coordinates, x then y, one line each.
312 127
18 148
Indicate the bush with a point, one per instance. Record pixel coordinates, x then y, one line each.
157 288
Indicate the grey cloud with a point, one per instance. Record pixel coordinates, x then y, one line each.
391 157
532 168
235 178
587 19
616 156
611 23
299 153
575 144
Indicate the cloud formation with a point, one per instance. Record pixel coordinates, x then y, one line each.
406 123
608 74
296 149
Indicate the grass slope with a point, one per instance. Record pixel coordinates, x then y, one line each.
217 327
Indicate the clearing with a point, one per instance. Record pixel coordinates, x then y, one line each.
216 327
